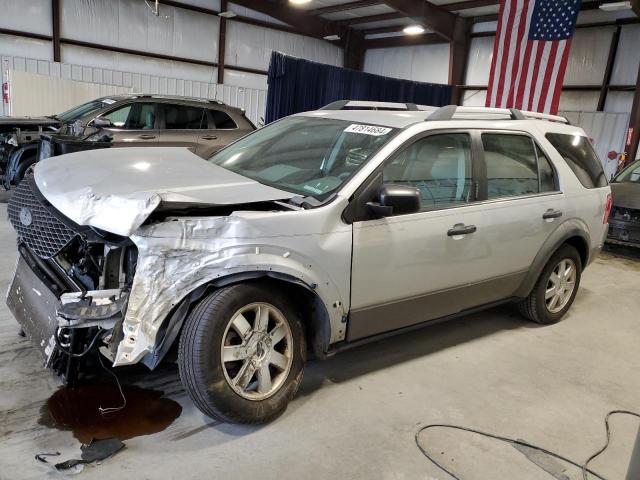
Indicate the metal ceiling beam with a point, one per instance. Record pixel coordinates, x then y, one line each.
371 18
404 41
302 20
457 7
429 15
344 7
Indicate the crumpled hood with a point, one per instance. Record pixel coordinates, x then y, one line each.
116 189
626 195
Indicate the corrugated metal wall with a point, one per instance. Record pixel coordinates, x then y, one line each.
251 99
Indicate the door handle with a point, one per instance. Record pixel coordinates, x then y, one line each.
146 136
209 137
551 213
461 229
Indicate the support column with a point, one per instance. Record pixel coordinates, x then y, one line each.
606 81
458 55
222 42
55 30
633 133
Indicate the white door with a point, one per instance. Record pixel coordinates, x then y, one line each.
416 267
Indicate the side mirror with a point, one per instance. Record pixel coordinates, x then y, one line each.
396 200
101 123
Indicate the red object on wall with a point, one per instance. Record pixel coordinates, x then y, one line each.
612 155
5 92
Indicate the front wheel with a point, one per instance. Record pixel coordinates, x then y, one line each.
555 289
242 353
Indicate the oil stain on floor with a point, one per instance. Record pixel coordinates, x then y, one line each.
79 410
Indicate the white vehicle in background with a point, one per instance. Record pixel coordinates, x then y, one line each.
320 231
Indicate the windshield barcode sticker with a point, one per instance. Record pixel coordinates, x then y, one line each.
367 130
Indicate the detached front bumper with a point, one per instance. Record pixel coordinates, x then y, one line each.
49 321
34 307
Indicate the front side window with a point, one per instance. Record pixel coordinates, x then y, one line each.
135 116
308 156
631 174
581 158
438 165
180 117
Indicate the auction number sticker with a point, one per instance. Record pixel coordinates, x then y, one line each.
367 130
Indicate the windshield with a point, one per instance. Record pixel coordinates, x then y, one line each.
631 174
309 156
85 109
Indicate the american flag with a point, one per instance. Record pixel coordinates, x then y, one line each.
530 53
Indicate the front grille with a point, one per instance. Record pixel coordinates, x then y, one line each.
35 223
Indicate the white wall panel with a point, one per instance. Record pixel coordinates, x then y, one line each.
625 68
36 95
579 101
474 98
251 46
253 100
619 102
479 61
33 16
92 57
588 56
421 63
130 24
21 46
244 79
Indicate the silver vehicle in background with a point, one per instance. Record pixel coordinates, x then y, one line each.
318 232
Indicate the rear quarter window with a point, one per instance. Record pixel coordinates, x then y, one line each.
581 158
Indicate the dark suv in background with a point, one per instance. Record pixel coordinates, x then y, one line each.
203 126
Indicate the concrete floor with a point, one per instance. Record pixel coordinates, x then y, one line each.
357 413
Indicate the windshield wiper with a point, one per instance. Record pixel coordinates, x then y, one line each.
305 202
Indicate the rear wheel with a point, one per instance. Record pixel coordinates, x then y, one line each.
242 354
555 289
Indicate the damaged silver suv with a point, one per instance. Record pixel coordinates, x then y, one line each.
318 232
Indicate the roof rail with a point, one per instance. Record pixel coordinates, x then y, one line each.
178 97
369 105
449 111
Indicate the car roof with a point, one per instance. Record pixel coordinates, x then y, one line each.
405 115
394 119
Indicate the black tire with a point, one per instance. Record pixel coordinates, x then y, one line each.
534 307
199 358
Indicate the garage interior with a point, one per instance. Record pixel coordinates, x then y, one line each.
361 413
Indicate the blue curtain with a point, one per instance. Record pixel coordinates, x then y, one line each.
297 85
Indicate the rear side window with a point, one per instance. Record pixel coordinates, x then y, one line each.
180 117
220 120
512 167
579 155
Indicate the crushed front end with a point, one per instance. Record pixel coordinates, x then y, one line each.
71 285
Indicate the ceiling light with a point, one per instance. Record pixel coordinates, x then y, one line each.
413 30
332 37
299 2
612 7
227 14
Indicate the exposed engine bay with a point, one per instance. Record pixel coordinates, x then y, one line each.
88 272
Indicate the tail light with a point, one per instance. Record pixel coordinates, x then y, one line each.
607 209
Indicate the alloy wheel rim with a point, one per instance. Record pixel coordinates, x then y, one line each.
257 351
560 285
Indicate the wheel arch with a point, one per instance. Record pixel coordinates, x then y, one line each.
313 311
571 232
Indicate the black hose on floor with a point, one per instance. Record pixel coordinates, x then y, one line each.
583 466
